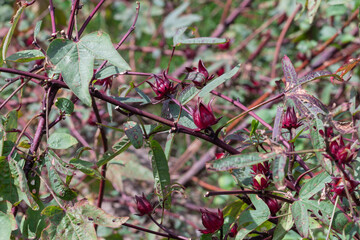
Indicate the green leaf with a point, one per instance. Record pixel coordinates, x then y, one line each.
160 172
37 28
285 223
187 94
254 126
5 226
314 185
239 161
180 38
75 60
168 145
108 71
85 167
143 96
26 56
254 217
202 41
11 123
312 6
318 142
119 147
323 211
21 182
77 222
57 185
59 165
218 81
131 100
134 133
289 72
350 230
13 183
7 39
278 169
32 224
171 111
61 141
174 20
65 105
130 167
301 218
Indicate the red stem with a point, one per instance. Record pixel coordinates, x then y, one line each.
52 16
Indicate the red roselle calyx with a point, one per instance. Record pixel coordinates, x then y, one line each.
260 181
341 153
143 205
199 76
272 204
211 221
105 82
261 168
203 116
162 87
233 231
219 155
290 120
338 187
224 46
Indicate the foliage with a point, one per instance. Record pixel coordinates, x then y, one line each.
242 116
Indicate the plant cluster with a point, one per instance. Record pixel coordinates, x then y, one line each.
91 148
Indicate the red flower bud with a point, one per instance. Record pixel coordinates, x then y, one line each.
338 187
219 155
220 71
143 205
203 116
341 153
273 205
163 87
211 221
233 231
260 182
290 119
224 46
261 168
199 76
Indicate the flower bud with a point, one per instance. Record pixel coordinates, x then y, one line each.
203 116
341 153
233 231
290 119
261 168
219 155
260 182
162 87
199 76
273 205
338 186
143 205
224 46
211 221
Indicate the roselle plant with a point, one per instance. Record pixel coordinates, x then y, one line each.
89 127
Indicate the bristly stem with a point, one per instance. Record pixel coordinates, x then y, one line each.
147 230
172 235
238 192
92 14
164 121
74 9
105 149
52 16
